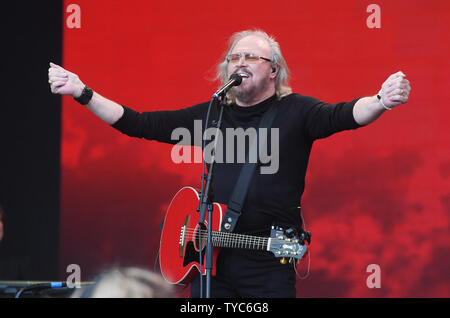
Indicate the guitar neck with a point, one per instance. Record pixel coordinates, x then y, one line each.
234 240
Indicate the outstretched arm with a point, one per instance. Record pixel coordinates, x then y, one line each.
394 91
67 83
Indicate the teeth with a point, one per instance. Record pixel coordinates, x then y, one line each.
243 74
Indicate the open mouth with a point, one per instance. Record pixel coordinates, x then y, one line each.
243 73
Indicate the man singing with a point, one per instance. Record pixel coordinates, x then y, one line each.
272 198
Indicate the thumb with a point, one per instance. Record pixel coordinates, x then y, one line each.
398 74
55 65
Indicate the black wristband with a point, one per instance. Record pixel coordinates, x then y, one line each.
86 96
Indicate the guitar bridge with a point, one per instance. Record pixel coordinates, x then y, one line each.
183 236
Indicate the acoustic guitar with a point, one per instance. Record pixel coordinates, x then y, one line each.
181 235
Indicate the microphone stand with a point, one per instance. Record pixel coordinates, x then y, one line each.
206 203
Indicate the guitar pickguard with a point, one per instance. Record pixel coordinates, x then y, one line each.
191 254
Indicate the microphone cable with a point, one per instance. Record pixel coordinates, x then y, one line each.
50 285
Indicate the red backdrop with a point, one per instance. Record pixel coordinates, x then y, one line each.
378 195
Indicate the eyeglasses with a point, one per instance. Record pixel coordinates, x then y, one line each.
248 57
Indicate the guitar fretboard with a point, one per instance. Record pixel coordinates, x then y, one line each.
234 240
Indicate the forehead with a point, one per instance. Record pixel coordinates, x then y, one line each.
252 44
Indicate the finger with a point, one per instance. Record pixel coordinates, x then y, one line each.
391 81
403 82
387 85
407 88
57 90
54 89
394 77
61 75
59 83
399 74
389 89
398 82
398 79
403 85
395 92
55 78
399 99
59 72
56 68
395 87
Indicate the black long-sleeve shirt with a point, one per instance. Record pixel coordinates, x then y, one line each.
272 198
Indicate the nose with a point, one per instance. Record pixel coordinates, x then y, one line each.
242 61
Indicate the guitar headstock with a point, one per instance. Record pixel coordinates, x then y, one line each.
287 243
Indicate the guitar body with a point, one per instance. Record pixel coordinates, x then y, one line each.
179 252
180 239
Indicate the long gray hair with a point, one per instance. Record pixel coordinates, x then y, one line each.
282 87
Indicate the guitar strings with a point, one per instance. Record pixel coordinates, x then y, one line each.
227 239
231 238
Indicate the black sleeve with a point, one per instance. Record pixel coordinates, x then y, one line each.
159 125
322 119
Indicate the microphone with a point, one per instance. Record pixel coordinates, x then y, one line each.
235 80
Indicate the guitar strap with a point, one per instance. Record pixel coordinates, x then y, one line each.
236 203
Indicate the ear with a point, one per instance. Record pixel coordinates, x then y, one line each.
275 68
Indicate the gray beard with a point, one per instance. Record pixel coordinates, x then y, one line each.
248 95
245 97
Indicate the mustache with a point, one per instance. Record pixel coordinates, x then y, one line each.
242 71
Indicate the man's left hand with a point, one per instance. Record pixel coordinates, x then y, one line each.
395 90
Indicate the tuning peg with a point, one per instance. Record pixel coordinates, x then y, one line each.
290 232
283 261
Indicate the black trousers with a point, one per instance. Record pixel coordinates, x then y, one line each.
249 274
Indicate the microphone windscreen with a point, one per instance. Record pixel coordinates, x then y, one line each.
237 78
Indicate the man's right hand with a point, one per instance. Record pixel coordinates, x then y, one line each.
64 82
67 83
